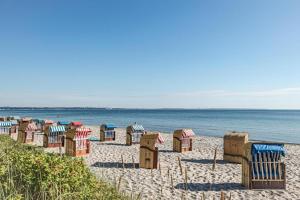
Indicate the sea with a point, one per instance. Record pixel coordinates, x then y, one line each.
266 125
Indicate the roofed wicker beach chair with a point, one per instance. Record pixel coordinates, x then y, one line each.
183 140
10 118
263 166
39 124
77 142
66 124
149 150
5 127
54 136
26 132
14 127
134 133
46 123
234 143
107 132
75 125
26 119
18 118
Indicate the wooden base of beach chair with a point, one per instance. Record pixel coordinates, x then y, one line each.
272 185
177 145
54 145
148 158
108 139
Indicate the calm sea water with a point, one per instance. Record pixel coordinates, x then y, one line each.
271 125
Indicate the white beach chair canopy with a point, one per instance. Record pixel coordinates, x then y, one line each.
57 129
5 124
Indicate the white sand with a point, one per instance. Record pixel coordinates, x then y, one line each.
105 162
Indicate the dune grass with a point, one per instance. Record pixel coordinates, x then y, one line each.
28 173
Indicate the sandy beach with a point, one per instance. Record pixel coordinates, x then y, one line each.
105 161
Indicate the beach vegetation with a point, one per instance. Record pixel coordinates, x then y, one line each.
27 172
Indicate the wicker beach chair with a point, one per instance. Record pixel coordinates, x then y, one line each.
107 132
234 143
134 133
73 125
54 136
14 127
39 124
149 150
66 124
77 142
45 124
262 166
5 127
26 132
183 140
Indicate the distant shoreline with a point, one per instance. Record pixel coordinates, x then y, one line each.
115 108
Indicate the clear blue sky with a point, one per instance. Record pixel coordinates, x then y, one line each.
150 53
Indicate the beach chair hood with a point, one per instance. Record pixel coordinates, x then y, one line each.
268 148
63 123
57 129
31 127
6 124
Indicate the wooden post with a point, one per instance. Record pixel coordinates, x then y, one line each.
60 144
222 195
215 160
185 179
180 166
172 184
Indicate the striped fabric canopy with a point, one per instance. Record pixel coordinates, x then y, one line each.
14 122
160 139
5 124
188 133
82 134
46 121
26 119
83 130
137 127
31 127
76 123
63 123
57 129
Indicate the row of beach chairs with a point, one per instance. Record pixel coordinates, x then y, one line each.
262 163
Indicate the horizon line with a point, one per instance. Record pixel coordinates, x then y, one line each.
137 108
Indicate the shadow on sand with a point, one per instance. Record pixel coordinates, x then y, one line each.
166 151
205 161
112 144
210 187
118 165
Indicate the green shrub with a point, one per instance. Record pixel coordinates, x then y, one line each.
26 172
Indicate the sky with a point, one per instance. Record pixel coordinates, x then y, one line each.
150 53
